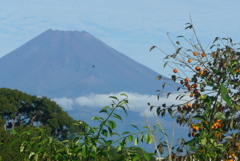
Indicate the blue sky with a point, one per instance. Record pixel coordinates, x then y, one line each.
130 27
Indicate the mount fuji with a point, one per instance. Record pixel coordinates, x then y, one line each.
72 64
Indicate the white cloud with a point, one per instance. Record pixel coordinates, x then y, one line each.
137 102
65 103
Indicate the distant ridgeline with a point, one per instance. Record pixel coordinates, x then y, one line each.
72 64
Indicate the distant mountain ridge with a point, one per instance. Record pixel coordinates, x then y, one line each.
71 64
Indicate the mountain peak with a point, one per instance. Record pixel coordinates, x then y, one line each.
72 63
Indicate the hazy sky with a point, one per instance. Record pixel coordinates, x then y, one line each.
129 26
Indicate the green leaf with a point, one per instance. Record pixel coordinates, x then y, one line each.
114 133
158 111
152 48
136 141
216 71
136 158
168 95
212 46
117 116
190 26
12 143
163 85
124 109
158 77
103 111
199 117
84 151
170 111
109 142
113 97
215 39
224 95
174 78
123 94
165 64
148 138
146 156
151 108
27 132
134 126
219 115
231 124
119 148
96 118
142 137
233 62
35 157
126 132
105 132
111 124
203 97
130 138
203 141
14 132
178 50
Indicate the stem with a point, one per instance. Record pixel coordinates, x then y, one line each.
149 128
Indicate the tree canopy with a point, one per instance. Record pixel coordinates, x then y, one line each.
21 109
23 112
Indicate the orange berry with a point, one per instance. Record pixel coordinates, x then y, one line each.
196 128
188 104
194 134
195 53
191 95
232 155
205 70
218 120
175 70
187 80
184 107
194 85
203 55
189 60
212 127
187 85
198 68
201 72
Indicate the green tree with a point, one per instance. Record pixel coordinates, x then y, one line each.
23 112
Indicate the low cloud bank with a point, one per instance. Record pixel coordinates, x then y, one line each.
65 103
137 102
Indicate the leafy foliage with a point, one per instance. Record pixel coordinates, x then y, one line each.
212 113
93 143
22 112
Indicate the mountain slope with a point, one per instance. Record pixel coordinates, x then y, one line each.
71 64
